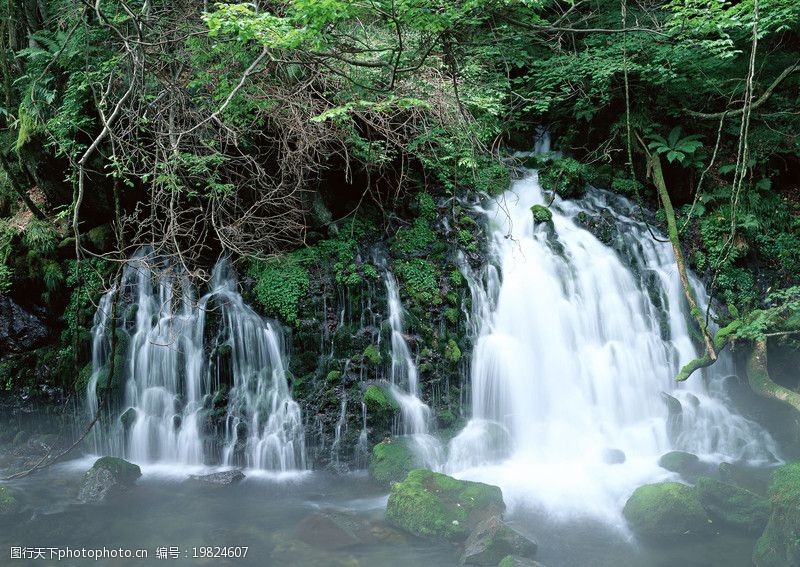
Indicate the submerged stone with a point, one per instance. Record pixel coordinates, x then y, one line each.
329 530
492 540
733 506
517 561
435 505
613 456
779 545
665 511
107 477
8 502
222 478
679 462
392 460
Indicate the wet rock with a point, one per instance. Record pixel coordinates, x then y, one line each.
754 479
107 477
492 540
8 502
430 504
680 462
20 330
391 461
674 416
733 506
779 545
516 561
613 456
330 531
666 512
223 478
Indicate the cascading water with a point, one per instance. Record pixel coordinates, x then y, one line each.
184 356
576 345
415 415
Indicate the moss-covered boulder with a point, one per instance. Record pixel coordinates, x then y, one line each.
680 462
492 540
8 502
435 505
392 460
779 545
108 476
565 176
732 505
665 511
541 214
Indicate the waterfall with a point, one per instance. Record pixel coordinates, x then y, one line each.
415 415
577 342
185 358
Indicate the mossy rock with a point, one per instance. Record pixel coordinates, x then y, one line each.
779 545
541 214
372 355
517 561
679 462
107 477
391 461
8 502
435 505
565 176
493 540
666 511
733 506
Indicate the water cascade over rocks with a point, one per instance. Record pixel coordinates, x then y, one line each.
415 415
183 358
578 342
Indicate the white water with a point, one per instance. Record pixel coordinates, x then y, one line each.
570 361
176 361
415 415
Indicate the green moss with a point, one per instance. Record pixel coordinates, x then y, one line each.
334 375
381 408
372 355
391 461
779 545
8 502
434 505
452 352
541 214
421 281
565 176
280 283
452 314
665 511
492 177
733 506
415 240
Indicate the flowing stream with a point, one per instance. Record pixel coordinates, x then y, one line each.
184 356
578 343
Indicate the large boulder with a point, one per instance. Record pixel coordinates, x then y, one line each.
680 462
8 502
492 540
107 477
779 545
665 511
223 478
435 505
392 460
732 505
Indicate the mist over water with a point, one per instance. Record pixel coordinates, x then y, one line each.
577 342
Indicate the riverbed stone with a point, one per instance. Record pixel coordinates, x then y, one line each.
107 477
517 561
733 506
330 531
222 478
8 502
392 460
492 540
435 505
666 511
779 545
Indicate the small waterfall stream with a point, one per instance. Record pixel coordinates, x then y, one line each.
577 342
183 356
415 415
